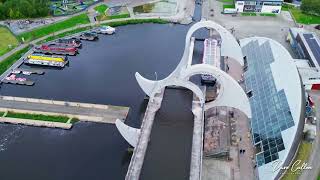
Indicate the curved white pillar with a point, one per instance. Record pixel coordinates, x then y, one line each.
130 134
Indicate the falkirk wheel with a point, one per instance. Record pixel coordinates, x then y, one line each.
231 93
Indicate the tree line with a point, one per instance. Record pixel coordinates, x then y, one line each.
18 9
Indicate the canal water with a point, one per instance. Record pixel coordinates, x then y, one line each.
169 151
103 73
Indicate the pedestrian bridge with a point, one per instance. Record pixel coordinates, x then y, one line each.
230 94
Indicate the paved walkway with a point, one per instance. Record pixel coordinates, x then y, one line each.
314 158
84 112
38 123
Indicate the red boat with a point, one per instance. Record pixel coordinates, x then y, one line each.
55 49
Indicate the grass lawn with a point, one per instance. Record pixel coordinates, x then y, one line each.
6 38
227 1
286 7
248 14
62 119
101 8
303 155
228 6
268 14
7 63
104 17
135 21
43 31
302 18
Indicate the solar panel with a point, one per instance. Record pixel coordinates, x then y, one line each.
314 45
270 109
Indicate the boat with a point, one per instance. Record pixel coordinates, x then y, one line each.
16 72
90 36
56 49
26 73
107 30
68 42
13 77
46 60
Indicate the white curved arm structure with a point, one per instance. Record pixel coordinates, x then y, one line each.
229 47
182 83
231 93
130 134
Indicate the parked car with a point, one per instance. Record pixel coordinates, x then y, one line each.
317 27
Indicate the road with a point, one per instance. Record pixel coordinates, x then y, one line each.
314 159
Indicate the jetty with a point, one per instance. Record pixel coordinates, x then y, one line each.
28 83
32 71
82 111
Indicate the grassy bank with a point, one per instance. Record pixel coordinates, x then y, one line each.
302 155
301 17
68 33
232 6
113 24
101 8
248 14
136 21
41 117
7 38
74 120
9 61
268 14
46 30
104 16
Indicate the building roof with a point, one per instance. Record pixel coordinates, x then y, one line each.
276 102
314 45
311 43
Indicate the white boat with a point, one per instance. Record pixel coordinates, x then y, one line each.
16 72
26 73
107 30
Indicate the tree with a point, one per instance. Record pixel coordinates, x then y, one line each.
15 9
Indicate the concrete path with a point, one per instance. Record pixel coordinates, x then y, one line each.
38 123
314 158
83 112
